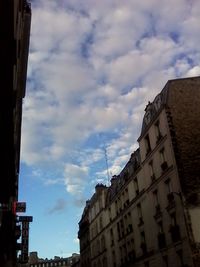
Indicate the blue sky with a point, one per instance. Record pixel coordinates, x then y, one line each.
93 66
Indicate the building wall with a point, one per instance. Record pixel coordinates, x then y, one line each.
148 218
15 19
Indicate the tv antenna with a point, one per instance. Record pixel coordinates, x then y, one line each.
106 159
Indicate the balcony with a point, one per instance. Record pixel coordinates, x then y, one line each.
164 166
161 241
175 232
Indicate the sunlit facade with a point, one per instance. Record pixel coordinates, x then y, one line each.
151 213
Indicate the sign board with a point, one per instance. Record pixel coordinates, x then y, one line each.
20 206
25 218
25 239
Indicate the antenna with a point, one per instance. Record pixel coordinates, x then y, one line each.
106 158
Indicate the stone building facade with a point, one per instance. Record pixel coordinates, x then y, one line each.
149 215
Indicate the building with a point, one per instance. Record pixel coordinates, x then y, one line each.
76 264
34 261
98 220
150 216
15 18
83 236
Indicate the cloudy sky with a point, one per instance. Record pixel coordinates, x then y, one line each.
93 66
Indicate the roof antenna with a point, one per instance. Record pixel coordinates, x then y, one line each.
106 158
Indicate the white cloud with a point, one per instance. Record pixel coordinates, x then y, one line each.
75 178
195 71
93 66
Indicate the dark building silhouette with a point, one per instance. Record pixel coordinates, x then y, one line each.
15 18
35 261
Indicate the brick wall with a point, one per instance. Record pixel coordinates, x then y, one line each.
184 112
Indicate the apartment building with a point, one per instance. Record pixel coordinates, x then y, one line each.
151 211
98 220
83 236
35 261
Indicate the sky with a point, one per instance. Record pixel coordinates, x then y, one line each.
93 66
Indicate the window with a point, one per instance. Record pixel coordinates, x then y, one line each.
163 161
103 245
111 237
110 215
116 207
169 191
142 236
168 184
98 246
151 170
160 227
100 223
96 228
173 219
180 256
136 186
113 258
161 236
100 203
155 197
139 210
147 144
162 155
118 230
143 242
104 263
158 133
165 260
174 229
